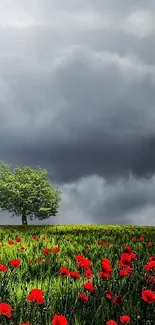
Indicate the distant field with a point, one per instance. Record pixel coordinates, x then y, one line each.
86 275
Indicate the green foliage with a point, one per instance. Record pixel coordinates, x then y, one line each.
27 192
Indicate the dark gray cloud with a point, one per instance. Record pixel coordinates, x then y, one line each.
77 97
93 124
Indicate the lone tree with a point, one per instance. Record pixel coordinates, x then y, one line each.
27 193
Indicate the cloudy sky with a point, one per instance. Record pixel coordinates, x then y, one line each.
77 97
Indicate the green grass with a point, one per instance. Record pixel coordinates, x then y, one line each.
61 293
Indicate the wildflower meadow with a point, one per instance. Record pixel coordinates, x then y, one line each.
77 275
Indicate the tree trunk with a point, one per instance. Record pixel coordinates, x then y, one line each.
24 219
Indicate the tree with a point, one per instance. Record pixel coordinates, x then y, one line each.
27 193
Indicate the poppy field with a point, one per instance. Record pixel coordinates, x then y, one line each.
77 275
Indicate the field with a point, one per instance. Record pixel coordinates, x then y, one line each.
77 275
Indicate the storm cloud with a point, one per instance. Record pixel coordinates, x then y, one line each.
77 97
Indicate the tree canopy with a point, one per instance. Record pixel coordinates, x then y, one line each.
27 193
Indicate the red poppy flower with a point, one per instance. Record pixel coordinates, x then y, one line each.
125 259
75 274
36 295
106 267
101 242
123 273
5 309
133 256
88 274
125 319
111 322
11 242
84 264
34 237
3 268
64 271
148 296
46 251
152 279
56 250
150 266
78 257
105 275
18 239
15 262
89 286
83 296
118 300
108 294
59 320
106 260
39 260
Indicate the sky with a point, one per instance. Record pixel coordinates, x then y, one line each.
77 97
